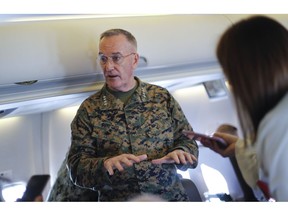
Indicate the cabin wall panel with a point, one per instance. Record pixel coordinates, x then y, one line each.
58 139
20 145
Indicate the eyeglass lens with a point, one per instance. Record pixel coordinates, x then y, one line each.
116 58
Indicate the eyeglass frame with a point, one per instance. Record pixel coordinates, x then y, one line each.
115 61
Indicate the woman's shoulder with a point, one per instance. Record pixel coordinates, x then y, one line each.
277 115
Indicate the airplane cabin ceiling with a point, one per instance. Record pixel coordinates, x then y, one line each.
59 56
41 50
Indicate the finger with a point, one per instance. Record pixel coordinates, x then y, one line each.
110 170
194 159
127 162
162 160
190 158
118 166
157 161
173 156
182 158
135 159
108 166
142 157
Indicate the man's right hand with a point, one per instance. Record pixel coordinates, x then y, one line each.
121 161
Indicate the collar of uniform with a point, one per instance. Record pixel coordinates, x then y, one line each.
141 91
109 100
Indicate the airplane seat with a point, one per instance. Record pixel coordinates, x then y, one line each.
191 190
247 191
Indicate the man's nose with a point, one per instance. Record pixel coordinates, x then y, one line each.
109 64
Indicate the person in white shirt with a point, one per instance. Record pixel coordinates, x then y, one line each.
253 54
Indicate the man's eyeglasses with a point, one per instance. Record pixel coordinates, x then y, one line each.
117 58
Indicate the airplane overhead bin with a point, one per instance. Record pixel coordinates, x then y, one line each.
50 64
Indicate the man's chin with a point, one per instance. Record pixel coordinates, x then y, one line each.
114 85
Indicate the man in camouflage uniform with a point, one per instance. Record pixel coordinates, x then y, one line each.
127 138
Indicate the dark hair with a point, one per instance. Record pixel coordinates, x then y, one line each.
254 56
113 32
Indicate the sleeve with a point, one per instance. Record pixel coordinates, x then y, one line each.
83 163
247 161
181 141
272 151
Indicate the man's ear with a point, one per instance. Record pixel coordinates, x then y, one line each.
136 60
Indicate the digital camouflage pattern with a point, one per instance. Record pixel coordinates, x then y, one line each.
150 123
64 190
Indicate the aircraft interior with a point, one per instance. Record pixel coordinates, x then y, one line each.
48 67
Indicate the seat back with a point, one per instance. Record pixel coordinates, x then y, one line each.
191 190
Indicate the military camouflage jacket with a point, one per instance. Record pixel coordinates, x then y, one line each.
64 190
150 123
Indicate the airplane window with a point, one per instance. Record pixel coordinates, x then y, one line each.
13 191
216 184
184 174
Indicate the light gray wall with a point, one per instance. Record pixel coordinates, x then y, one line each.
21 146
57 141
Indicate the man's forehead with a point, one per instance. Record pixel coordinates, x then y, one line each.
114 44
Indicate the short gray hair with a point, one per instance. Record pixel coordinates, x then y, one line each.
113 32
